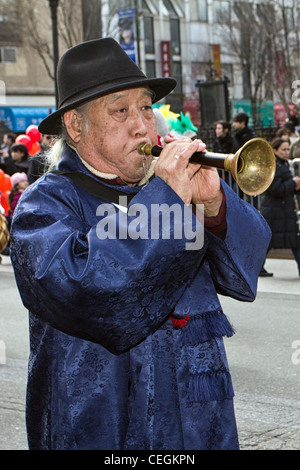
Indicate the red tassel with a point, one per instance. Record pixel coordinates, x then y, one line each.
180 322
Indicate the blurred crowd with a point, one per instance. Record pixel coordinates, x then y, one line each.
22 162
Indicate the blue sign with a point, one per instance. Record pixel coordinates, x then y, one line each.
18 118
127 31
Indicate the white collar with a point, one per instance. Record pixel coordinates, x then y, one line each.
110 176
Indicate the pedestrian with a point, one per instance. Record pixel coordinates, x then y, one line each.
17 161
291 128
8 140
278 204
19 183
283 133
242 133
125 323
4 232
38 164
224 142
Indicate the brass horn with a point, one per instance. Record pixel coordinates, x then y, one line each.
252 166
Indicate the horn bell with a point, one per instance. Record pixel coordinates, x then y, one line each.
253 166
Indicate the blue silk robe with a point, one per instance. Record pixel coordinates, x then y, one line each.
108 369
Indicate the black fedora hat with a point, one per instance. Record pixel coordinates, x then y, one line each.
93 69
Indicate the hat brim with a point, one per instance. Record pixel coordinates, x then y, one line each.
161 87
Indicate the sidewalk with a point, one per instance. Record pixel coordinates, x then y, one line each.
5 263
285 280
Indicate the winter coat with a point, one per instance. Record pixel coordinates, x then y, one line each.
224 144
10 166
110 367
38 166
242 136
278 208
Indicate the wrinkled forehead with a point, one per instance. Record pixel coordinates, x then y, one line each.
130 93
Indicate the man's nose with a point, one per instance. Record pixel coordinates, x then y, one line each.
138 123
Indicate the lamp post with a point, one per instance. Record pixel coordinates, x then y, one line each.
53 4
137 31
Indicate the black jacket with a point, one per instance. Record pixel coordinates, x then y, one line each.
242 136
10 166
278 208
223 144
37 167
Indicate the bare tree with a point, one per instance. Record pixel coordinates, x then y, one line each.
77 20
248 38
286 49
265 38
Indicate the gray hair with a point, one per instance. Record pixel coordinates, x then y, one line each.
53 155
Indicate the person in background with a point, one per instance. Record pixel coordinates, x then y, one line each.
19 183
38 163
4 232
278 204
17 161
283 133
224 142
126 327
295 150
8 140
242 133
291 128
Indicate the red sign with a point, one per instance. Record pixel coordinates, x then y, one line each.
165 55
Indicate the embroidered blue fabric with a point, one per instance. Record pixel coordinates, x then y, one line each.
107 370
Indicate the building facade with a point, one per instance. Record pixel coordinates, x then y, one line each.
187 39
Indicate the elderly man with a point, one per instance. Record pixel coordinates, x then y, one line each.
125 323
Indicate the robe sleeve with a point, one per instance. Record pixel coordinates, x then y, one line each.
235 262
114 292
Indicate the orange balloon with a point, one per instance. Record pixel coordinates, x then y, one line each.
35 148
1 179
5 201
7 183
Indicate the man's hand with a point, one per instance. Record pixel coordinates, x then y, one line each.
192 182
207 190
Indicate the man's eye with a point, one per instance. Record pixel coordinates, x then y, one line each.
147 108
119 111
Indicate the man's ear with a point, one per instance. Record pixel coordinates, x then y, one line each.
73 125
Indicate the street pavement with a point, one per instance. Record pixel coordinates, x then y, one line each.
264 359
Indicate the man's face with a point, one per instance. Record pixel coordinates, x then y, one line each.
48 140
117 124
238 125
